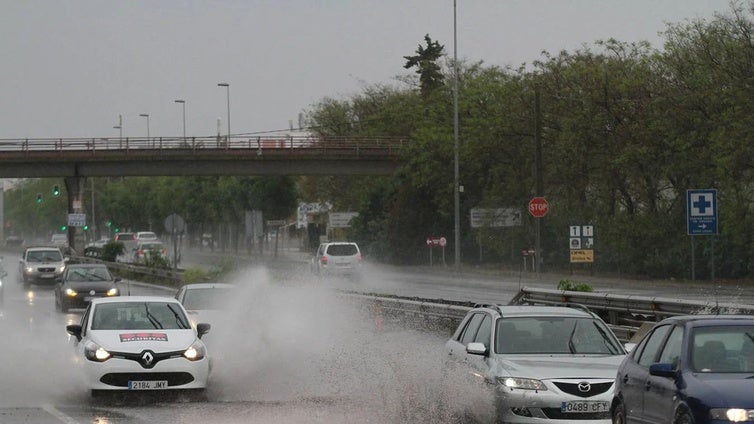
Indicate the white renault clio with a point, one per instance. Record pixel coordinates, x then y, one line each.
140 343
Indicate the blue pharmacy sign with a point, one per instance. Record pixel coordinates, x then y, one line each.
701 211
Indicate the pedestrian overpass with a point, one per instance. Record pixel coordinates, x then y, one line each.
198 156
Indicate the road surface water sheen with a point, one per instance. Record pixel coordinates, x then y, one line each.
292 352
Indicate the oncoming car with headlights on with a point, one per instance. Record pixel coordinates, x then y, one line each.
140 343
83 282
536 364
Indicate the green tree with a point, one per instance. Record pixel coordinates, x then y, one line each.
425 60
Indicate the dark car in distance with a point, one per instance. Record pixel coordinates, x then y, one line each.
689 369
81 283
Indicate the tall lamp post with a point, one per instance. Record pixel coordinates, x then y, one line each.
146 115
119 127
456 173
227 90
183 103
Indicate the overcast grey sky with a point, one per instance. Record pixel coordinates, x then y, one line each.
70 67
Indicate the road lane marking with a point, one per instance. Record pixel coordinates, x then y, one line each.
59 415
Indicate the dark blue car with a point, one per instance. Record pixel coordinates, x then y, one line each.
689 369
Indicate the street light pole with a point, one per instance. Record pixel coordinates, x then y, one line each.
146 115
227 90
119 127
183 103
94 218
456 172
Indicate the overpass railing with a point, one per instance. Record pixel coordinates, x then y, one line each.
291 144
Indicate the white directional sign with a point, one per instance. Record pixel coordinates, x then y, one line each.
341 219
499 217
76 219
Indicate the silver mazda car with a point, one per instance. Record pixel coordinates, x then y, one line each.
534 364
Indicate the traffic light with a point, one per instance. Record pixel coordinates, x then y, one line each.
63 227
56 191
109 223
86 227
117 230
39 198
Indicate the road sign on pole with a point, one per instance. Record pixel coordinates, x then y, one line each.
538 207
76 219
701 212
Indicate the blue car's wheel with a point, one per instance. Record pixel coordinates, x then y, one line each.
619 414
683 417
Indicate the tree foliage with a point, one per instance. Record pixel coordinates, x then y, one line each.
425 62
626 130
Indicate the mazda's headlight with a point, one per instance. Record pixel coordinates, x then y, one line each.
94 352
735 415
70 292
112 292
195 352
522 383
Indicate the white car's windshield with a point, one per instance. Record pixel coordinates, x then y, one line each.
138 316
553 335
44 256
209 298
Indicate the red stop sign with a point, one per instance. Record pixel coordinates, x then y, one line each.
538 207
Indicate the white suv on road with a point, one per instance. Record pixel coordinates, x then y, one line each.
337 258
41 265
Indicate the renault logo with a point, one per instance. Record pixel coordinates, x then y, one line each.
147 358
584 387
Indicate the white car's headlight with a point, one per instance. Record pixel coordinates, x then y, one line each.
29 269
112 292
61 268
94 352
195 352
735 415
522 383
70 292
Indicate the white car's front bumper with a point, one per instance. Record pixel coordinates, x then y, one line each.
115 373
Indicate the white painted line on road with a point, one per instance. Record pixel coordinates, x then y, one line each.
59 415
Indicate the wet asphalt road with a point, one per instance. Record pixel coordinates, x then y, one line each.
295 353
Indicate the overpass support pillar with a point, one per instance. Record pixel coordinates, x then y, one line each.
75 188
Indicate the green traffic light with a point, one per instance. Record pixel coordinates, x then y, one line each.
55 191
39 198
63 227
109 223
86 228
117 230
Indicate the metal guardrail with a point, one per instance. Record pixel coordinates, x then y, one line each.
625 314
172 276
616 305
